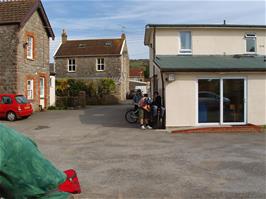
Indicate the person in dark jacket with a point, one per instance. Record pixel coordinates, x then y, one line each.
157 105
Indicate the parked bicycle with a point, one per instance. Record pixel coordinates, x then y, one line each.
132 115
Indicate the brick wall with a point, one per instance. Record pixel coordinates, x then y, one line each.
39 65
8 62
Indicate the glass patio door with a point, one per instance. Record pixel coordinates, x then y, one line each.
209 100
221 101
233 100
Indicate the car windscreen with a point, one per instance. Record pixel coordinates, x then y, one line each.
21 99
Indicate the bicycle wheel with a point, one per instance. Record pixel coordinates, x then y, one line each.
131 117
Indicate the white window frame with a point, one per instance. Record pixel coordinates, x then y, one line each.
30 42
185 51
100 64
251 36
30 93
221 122
71 64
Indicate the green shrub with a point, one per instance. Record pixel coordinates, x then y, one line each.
98 89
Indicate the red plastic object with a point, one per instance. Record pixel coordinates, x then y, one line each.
71 185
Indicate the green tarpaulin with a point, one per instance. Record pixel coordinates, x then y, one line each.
24 171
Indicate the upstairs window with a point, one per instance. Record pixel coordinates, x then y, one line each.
30 89
100 64
71 65
185 43
250 42
30 42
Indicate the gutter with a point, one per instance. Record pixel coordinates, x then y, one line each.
214 70
236 26
99 55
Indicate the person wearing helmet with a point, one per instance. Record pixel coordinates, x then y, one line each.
137 98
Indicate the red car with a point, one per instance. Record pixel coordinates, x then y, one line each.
14 106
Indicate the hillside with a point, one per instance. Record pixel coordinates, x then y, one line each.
140 63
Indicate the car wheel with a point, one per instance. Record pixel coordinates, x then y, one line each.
11 116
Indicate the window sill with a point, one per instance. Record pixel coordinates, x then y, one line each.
31 59
184 53
71 71
100 70
250 53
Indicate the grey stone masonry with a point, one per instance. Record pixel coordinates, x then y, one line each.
8 61
86 68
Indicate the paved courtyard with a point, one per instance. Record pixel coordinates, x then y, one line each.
117 160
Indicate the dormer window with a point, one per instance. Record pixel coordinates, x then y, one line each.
108 43
250 42
30 42
185 43
71 65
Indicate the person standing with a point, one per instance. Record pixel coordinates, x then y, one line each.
144 112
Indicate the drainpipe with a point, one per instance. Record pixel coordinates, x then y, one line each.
154 55
163 89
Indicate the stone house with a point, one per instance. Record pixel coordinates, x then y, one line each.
94 59
24 50
209 74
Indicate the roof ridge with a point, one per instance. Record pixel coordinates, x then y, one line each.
10 1
94 39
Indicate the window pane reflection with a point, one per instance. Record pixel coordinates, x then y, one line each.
209 101
233 103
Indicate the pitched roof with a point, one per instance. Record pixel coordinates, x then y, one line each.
136 72
19 12
210 63
94 47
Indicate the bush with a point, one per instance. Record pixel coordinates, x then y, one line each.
99 89
70 87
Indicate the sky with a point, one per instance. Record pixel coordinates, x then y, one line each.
90 19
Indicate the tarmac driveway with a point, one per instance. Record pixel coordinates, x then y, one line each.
117 160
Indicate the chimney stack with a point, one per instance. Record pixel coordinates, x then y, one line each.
224 22
123 36
64 36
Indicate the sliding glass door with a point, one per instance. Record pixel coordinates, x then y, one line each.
221 101
233 100
209 100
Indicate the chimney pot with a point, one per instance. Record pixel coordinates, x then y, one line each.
123 36
64 36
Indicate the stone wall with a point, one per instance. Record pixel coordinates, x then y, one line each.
8 62
39 65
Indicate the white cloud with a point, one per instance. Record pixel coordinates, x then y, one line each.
110 16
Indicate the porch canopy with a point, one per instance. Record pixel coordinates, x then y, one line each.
210 63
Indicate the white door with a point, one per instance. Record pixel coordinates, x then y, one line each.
42 93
